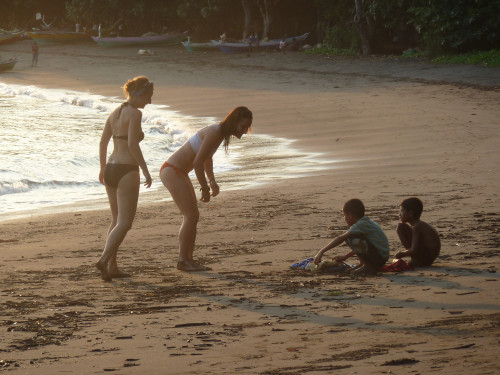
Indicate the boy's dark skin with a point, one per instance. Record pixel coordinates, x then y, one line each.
420 239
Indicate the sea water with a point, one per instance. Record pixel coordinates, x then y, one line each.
49 149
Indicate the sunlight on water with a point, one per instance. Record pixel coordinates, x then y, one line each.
50 138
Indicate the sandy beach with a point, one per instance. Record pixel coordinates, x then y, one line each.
390 128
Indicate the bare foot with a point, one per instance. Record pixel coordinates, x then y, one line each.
191 266
364 271
117 274
104 272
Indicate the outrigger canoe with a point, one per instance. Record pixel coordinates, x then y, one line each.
267 45
165 39
54 37
11 37
7 64
197 47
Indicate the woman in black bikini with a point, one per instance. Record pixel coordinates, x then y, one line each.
197 154
120 174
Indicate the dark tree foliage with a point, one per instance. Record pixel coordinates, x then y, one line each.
294 17
335 26
207 19
379 26
457 25
135 16
21 13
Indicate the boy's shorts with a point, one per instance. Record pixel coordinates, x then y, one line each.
365 251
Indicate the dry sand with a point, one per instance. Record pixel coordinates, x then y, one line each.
394 128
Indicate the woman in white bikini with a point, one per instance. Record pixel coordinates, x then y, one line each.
120 173
197 154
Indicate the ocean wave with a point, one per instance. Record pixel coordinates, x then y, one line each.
25 185
155 115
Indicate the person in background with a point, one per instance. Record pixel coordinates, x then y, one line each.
283 44
34 52
120 173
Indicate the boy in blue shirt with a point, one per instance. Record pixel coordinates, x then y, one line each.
365 237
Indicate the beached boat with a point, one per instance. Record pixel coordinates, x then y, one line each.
6 38
264 45
55 36
196 47
7 64
165 39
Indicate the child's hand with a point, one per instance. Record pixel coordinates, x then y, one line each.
318 257
400 254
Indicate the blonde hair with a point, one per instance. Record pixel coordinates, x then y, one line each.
137 86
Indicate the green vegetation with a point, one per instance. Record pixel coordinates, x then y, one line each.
331 51
414 53
429 28
488 58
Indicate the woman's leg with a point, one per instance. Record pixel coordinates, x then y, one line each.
127 194
182 192
113 204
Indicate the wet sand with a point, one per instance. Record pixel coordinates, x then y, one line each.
394 129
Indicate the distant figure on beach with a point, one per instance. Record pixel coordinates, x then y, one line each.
252 41
420 239
197 154
365 237
283 44
120 174
34 52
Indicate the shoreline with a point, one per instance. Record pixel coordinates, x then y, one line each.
281 149
392 137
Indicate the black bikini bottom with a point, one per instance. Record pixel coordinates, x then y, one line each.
113 173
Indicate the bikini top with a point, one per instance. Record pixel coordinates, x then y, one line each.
196 141
125 137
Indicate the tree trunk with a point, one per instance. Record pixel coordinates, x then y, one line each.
114 25
265 7
247 9
360 21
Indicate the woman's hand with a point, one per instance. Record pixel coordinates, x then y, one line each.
215 187
149 180
101 176
205 195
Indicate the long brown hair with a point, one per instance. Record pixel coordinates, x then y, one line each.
228 126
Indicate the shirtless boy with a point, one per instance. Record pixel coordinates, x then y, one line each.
420 239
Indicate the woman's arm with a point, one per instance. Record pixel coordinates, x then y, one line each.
208 165
203 159
134 130
103 148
